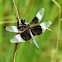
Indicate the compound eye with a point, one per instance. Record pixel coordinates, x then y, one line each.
23 21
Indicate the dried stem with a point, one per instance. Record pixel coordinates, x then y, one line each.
16 44
17 17
58 36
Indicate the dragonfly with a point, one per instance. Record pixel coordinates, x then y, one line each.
26 31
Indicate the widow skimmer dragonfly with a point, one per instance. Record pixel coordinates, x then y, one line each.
25 32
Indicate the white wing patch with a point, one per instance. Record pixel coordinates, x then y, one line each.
40 14
45 25
26 23
17 39
12 29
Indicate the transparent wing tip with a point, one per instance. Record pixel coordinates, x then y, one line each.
40 14
42 10
12 29
7 28
17 39
45 25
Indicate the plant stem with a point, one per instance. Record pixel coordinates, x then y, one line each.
58 36
15 49
17 17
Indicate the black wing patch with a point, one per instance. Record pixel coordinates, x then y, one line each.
26 35
38 16
36 30
34 21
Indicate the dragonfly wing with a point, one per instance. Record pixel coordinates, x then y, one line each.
26 35
36 30
38 16
39 29
23 37
34 21
34 40
45 25
12 29
16 39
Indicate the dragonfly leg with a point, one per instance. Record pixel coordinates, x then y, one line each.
49 29
18 22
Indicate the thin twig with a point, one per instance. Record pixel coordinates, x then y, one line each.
15 52
17 17
58 36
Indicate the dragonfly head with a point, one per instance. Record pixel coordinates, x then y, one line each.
23 21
